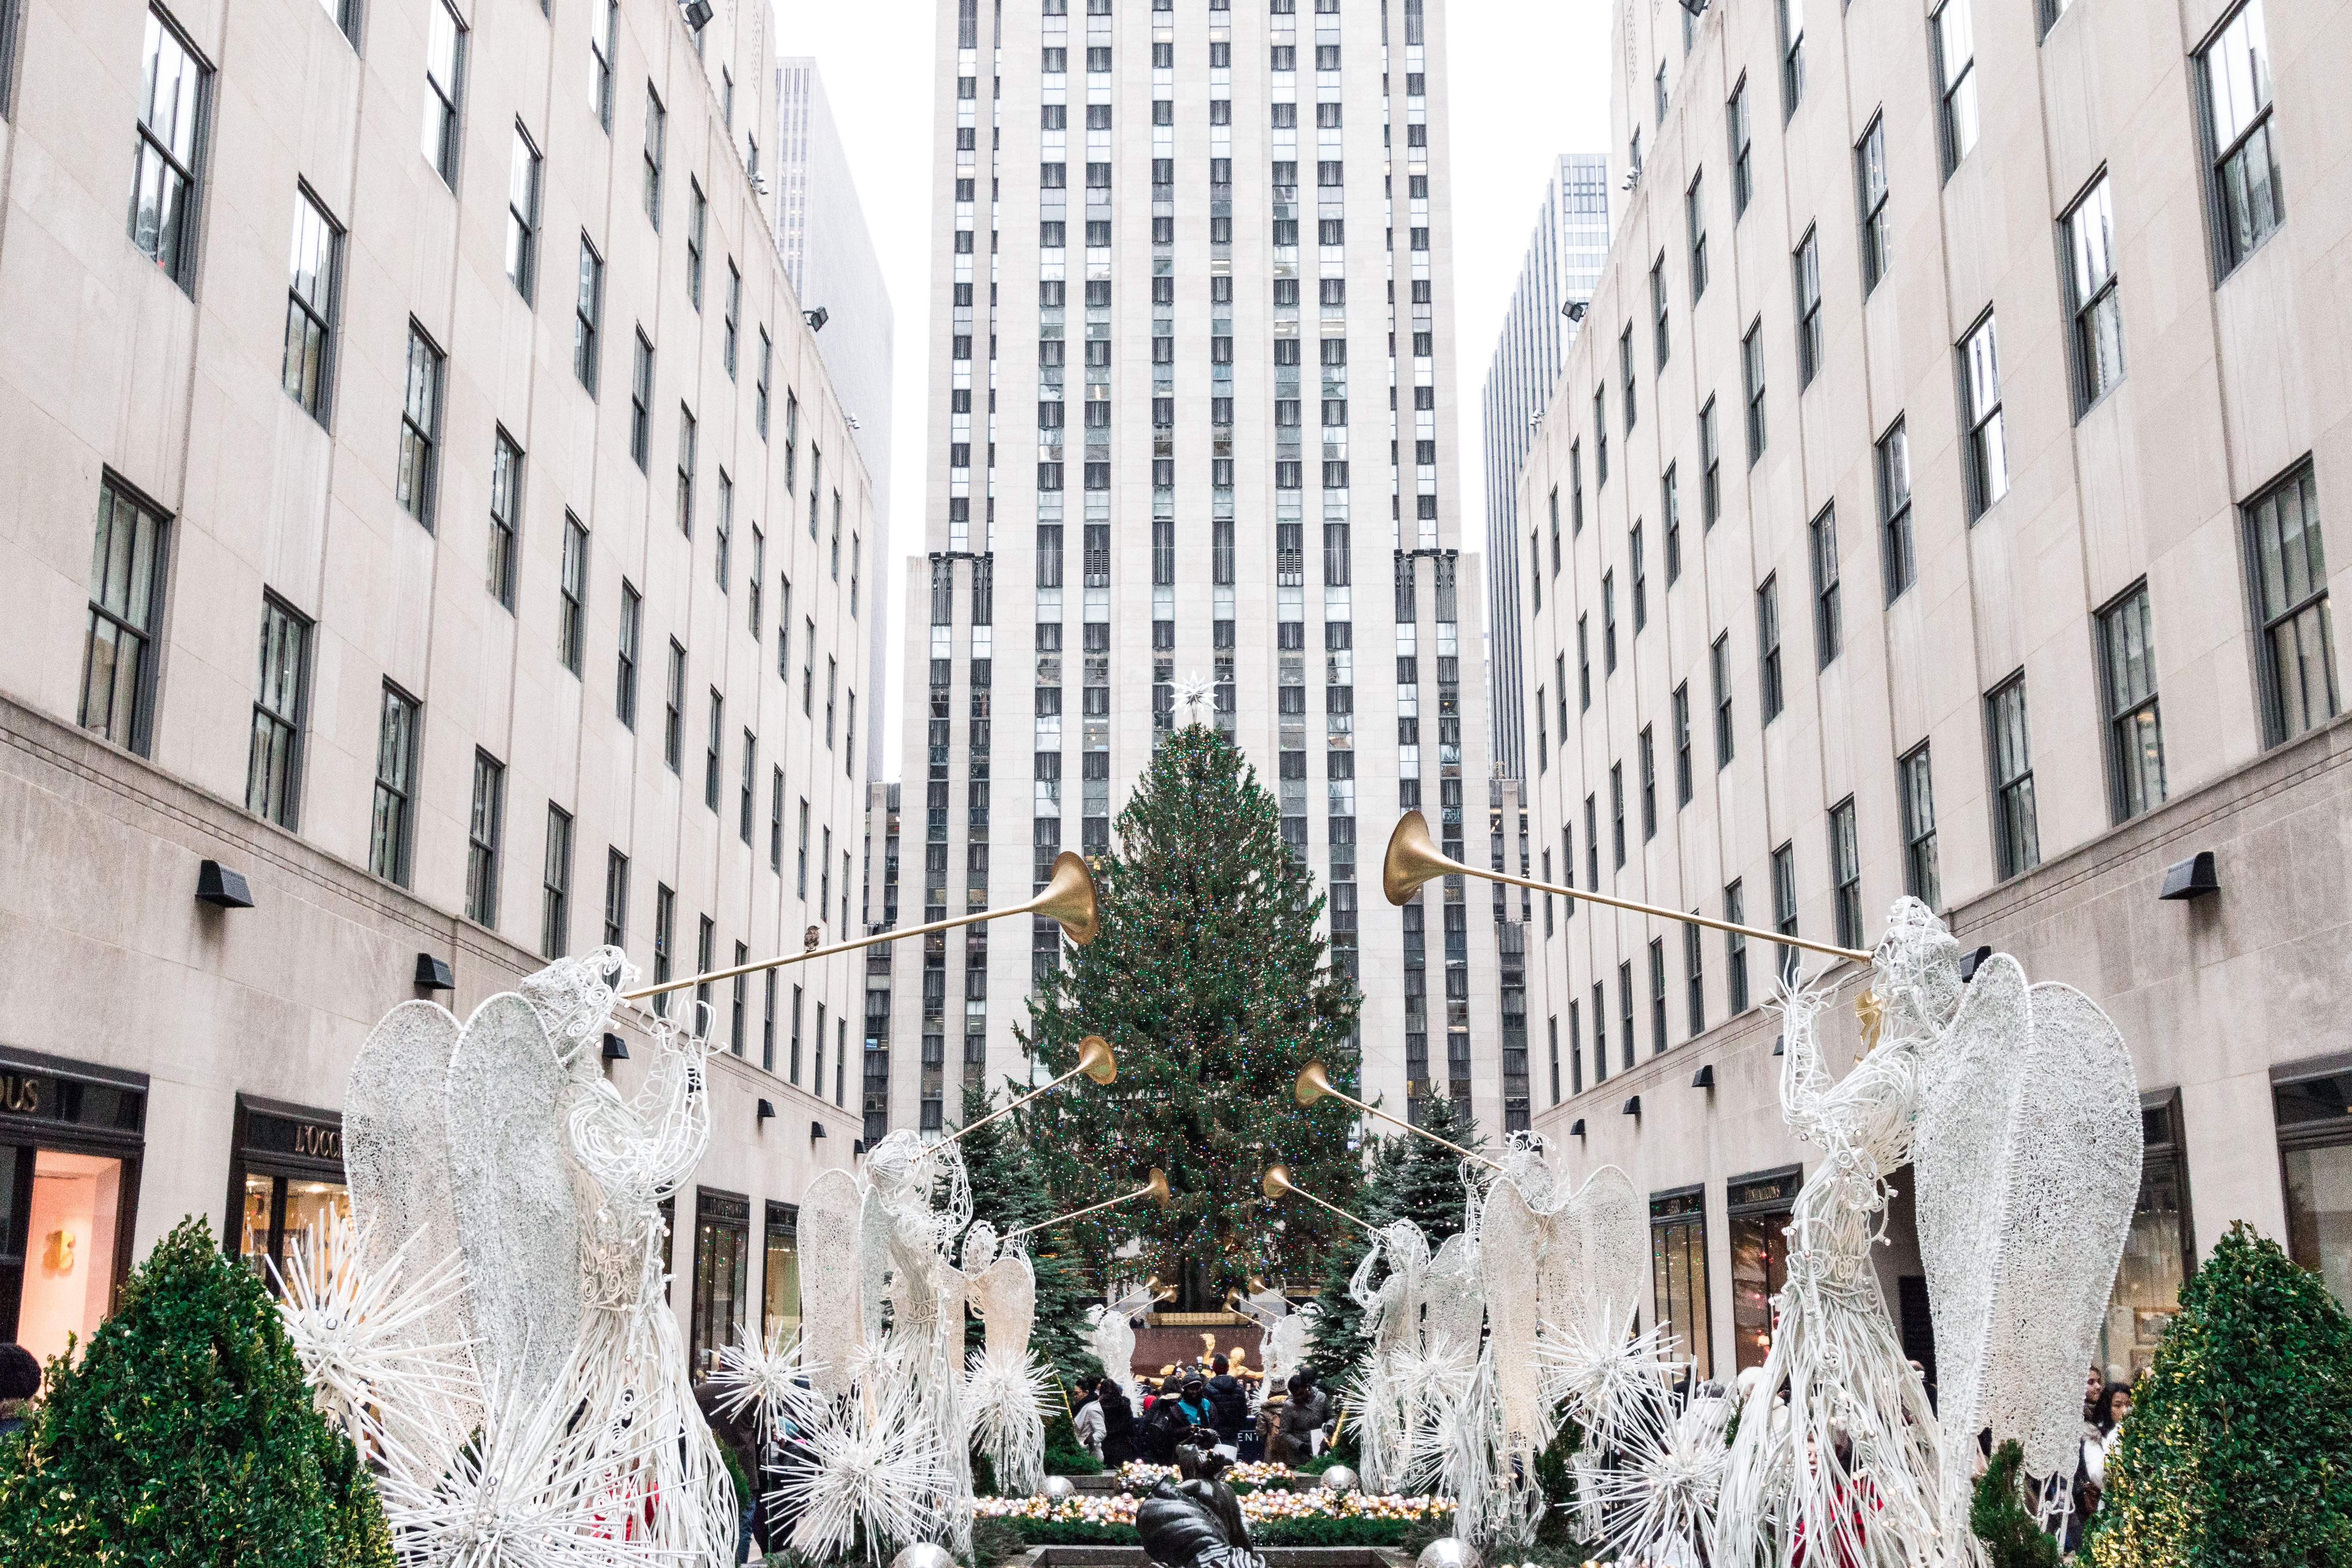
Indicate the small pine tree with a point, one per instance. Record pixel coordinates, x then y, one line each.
1208 979
1408 1178
1008 1193
185 1437
2238 1451
1996 1515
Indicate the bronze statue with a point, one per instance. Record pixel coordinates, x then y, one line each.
1195 1520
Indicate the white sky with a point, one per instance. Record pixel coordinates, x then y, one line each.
1529 84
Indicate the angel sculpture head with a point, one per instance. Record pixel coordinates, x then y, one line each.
980 1246
1919 985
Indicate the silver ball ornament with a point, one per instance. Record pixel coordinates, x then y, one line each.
923 1554
1339 1479
1449 1551
1052 1488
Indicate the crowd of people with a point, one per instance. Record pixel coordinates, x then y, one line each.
1289 1424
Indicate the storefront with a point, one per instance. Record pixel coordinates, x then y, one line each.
285 1183
1758 1209
723 1276
780 1283
71 1141
2314 1106
2158 1249
1678 1274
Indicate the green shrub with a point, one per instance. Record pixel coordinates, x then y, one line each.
2238 1451
1998 1517
185 1437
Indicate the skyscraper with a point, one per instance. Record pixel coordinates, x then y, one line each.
1563 263
829 256
1128 273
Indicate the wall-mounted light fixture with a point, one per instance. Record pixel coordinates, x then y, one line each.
816 1130
219 885
1705 1078
616 1049
2190 878
1576 1128
816 318
698 13
434 973
767 1109
1633 1108
1971 963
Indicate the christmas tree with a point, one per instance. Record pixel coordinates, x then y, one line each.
1409 1177
1008 1193
186 1435
1209 981
2238 1451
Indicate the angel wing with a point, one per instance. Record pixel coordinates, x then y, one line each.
1595 1262
1006 1293
396 1147
2027 1155
516 1193
1511 1237
833 1278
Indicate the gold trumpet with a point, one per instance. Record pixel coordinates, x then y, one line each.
1155 1189
1413 858
1068 900
1277 1182
1095 1060
1314 1083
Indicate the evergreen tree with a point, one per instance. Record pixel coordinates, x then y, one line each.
185 1437
2238 1451
1998 1517
1408 1178
1209 981
1008 1193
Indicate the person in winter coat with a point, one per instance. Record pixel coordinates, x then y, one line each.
1120 1437
1228 1401
20 1383
1087 1419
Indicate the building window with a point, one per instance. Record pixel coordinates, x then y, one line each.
706 945
722 1277
1670 507
1784 910
801 876
1625 376
1583 669
1682 784
1617 811
1751 374
392 829
1916 786
604 45
2135 735
1845 874
2289 567
1870 187
722 530
2236 71
1625 1012
1692 946
420 428
1956 75
445 64
656 137
2157 1246
1659 344
523 212
739 995
1829 628
1678 1275
1895 510
1575 497
1768 648
779 1294
1695 220
2315 1133
555 886
165 192
1793 56
1758 1208
1608 623
2091 294
587 315
698 230
1600 437
273 766
761 388
1806 266
2016 846
482 840
749 791
1719 669
674 710
505 513
1599 1032
710 750
1710 469
640 403
616 897
686 444
665 934
1743 176
1657 996
1735 951
572 622
1988 450
1639 566
126 605
1646 753
733 333
308 369
776 820
624 675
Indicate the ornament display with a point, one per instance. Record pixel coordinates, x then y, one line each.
1339 1479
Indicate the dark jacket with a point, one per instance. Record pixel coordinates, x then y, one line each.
1120 1435
1228 1405
1169 1418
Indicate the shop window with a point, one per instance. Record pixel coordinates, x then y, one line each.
1758 1208
2315 1130
287 1172
780 1282
1678 1274
70 1147
2157 1250
723 1269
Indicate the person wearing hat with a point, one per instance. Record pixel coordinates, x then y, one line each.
20 1382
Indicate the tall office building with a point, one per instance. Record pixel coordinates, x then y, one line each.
1563 263
829 256
1191 313
1944 500
437 555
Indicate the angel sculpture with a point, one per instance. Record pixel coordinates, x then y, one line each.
531 1389
2015 1106
1005 1389
1388 1409
1282 1349
1112 1334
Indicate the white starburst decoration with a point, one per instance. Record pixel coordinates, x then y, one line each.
1193 694
1004 1401
1611 1379
867 1469
354 1327
771 1375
